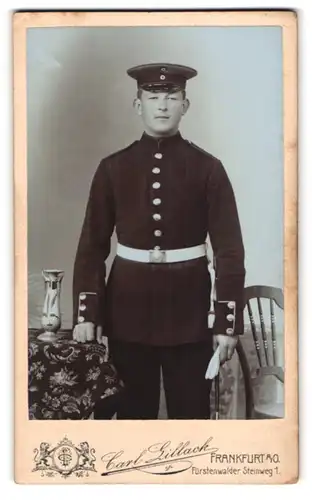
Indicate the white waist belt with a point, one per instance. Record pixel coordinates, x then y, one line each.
161 256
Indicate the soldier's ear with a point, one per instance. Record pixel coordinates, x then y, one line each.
137 106
186 105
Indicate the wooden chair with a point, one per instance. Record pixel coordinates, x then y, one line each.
265 344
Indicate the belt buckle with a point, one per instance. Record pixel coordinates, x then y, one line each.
157 256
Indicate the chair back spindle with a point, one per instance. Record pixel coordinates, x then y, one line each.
254 332
273 331
263 332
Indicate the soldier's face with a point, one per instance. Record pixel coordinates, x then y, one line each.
161 112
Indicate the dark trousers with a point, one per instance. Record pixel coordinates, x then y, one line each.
183 367
106 408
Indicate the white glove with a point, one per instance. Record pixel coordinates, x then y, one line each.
214 365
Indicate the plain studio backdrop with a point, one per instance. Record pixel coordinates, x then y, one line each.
80 110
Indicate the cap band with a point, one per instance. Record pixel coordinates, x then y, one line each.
162 79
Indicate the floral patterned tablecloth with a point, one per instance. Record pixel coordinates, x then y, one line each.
66 379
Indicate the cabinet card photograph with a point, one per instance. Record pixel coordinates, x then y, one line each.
155 258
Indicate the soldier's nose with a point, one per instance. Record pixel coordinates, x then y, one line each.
162 105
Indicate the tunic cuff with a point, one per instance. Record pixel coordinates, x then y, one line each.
228 318
87 307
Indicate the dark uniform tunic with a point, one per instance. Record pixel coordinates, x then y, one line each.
166 193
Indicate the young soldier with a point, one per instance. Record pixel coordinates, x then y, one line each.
163 195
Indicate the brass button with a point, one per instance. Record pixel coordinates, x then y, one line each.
156 216
81 319
156 185
231 305
82 307
157 232
158 156
82 296
156 248
156 170
157 201
230 317
229 331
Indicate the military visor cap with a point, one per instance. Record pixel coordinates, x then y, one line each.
158 76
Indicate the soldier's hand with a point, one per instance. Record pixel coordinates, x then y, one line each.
84 332
227 346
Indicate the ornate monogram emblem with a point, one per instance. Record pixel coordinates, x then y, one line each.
64 459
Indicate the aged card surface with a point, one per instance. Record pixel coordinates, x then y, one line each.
155 259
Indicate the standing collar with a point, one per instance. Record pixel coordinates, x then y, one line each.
160 142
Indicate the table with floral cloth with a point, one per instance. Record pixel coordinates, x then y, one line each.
66 378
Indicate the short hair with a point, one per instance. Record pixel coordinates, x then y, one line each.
140 90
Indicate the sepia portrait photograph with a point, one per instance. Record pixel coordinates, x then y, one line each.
153 273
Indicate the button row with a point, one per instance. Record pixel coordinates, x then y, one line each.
157 201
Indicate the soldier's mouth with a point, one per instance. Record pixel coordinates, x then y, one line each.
162 117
